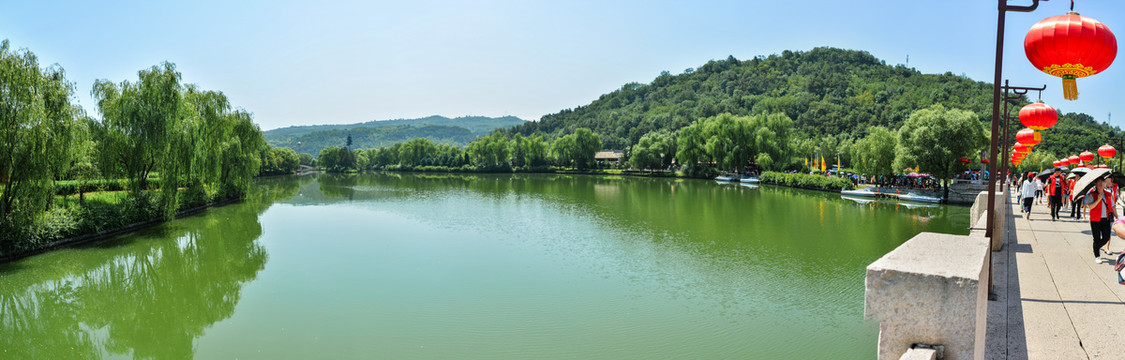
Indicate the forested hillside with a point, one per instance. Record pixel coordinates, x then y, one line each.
439 129
373 137
825 91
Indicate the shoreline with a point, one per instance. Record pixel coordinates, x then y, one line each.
101 235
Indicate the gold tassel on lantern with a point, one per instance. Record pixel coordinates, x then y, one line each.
1070 87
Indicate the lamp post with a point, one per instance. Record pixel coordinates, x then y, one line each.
1011 93
994 144
1118 143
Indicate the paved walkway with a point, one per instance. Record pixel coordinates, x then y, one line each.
1053 301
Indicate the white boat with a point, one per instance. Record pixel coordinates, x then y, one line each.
861 201
916 206
867 192
752 180
725 178
919 198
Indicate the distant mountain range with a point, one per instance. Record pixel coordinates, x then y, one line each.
439 129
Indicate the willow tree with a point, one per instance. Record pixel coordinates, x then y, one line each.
190 136
875 153
38 129
934 138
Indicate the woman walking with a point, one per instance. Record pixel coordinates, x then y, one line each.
1027 194
1101 213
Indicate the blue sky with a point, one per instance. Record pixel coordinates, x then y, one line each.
317 62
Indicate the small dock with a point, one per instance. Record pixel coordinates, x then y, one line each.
1053 301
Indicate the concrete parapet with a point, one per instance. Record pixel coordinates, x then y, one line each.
930 290
919 354
980 204
999 226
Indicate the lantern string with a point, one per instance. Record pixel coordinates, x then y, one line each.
1071 5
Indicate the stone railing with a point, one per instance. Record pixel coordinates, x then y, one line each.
930 295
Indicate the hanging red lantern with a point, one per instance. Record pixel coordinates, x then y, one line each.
1070 46
964 160
1074 160
1107 151
1038 116
1055 163
1029 137
1086 156
983 161
1020 148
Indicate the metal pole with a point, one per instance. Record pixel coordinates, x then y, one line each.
992 175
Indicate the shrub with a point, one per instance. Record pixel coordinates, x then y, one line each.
806 181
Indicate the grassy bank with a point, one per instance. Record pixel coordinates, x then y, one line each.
101 212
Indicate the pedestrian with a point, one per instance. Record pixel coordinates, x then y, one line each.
1038 191
1101 213
1055 193
1075 200
1027 193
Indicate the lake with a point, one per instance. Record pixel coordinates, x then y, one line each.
449 266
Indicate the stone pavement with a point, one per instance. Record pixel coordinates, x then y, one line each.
1053 301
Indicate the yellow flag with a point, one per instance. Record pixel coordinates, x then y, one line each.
806 162
838 163
823 164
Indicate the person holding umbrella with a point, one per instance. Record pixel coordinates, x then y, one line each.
1095 186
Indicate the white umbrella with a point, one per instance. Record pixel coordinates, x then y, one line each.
1087 181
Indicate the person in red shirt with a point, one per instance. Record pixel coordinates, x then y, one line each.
1055 193
1102 212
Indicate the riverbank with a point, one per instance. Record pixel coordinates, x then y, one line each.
134 225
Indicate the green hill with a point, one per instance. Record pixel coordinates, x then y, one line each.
826 91
442 130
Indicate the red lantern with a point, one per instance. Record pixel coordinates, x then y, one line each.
1086 156
1029 137
1107 151
964 160
1070 46
983 161
1038 116
1074 160
1020 148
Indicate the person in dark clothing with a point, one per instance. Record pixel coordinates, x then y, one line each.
1075 200
1055 193
1102 213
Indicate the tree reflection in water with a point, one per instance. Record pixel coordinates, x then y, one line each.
149 294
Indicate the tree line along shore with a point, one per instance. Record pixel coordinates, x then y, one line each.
161 145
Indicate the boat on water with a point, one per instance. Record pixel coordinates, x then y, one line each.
865 192
725 178
861 201
751 180
919 198
917 206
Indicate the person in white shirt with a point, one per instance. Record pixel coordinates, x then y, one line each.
1028 192
1038 191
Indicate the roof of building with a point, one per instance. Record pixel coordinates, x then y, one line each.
609 154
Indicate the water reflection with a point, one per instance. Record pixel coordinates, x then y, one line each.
140 295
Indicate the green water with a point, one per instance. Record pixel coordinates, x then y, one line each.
472 267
